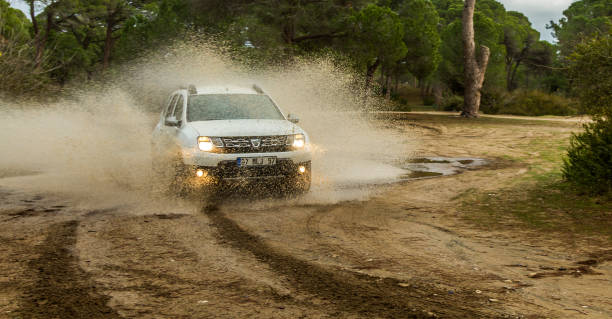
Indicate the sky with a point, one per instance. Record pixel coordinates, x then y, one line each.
539 12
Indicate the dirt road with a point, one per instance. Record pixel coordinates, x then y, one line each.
402 251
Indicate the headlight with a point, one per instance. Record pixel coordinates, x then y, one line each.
205 144
297 140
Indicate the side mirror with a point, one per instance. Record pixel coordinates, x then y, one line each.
292 118
172 121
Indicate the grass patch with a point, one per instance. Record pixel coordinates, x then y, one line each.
424 108
548 205
447 119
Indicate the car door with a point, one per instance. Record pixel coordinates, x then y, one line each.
162 136
177 112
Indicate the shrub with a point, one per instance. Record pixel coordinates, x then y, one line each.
591 74
429 100
19 75
453 103
533 103
588 164
411 95
402 107
491 101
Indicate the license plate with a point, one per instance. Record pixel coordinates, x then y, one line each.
256 161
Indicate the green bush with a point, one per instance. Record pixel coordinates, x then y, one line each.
588 164
491 101
402 107
429 100
527 103
591 74
589 158
453 103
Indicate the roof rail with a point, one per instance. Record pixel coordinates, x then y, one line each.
192 89
257 89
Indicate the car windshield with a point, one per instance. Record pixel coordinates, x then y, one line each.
208 107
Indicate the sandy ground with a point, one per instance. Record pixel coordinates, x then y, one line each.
402 252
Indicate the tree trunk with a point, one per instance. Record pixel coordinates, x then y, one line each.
388 87
423 89
37 35
396 78
33 18
288 31
41 43
509 64
475 67
109 41
288 22
437 93
371 69
512 85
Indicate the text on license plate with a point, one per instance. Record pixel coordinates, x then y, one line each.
256 161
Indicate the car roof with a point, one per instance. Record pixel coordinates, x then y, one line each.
225 89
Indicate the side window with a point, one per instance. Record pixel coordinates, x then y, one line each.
170 107
178 110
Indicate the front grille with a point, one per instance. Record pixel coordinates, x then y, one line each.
254 144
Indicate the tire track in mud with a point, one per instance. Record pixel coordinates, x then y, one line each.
63 289
347 291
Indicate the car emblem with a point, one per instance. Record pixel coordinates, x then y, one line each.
256 142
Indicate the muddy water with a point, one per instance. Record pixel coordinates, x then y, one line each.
419 168
95 145
427 167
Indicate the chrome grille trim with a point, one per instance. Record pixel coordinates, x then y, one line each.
254 144
245 141
236 142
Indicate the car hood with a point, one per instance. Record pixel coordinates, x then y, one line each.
220 128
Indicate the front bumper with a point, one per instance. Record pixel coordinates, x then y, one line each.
229 170
195 157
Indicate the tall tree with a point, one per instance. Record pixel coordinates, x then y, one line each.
114 13
488 32
18 73
13 24
519 39
301 21
582 20
421 38
378 39
475 66
56 14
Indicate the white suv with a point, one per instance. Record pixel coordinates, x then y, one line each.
221 134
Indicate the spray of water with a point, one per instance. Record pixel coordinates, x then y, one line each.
96 145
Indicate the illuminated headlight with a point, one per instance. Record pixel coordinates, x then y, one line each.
297 140
205 144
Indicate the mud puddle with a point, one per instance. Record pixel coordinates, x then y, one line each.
429 167
419 168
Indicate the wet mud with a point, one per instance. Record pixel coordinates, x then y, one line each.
62 288
345 291
401 251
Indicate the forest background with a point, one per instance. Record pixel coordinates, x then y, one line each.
408 51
